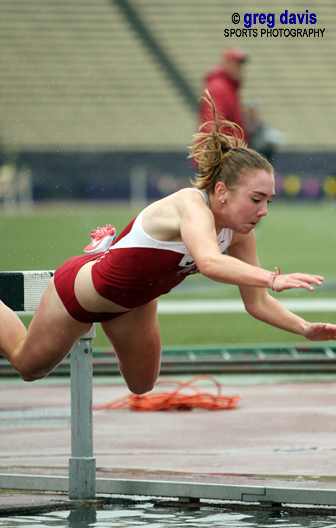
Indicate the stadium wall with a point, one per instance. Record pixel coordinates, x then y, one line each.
108 175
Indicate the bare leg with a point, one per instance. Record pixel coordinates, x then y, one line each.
12 332
51 335
136 339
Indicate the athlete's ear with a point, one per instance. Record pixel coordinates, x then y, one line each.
221 191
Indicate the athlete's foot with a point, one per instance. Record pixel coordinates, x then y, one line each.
101 239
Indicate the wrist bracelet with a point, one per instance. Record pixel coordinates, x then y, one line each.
274 277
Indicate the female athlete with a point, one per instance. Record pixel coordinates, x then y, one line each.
184 233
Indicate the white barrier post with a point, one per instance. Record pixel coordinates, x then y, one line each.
22 292
82 465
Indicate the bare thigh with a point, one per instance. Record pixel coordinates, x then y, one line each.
51 335
136 339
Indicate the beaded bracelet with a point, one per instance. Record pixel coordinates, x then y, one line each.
278 272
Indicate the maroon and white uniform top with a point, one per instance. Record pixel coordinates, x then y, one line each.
138 268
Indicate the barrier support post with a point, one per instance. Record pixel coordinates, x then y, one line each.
82 465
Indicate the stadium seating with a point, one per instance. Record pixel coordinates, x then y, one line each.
76 75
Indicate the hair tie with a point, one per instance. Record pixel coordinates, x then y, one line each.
226 149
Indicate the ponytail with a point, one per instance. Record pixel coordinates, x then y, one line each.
222 157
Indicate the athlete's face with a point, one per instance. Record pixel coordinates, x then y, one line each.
247 204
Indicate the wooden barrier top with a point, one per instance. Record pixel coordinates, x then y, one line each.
22 290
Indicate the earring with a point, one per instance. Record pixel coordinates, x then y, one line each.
223 201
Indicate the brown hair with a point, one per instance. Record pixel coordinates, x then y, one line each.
221 157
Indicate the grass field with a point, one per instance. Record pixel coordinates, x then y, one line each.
295 237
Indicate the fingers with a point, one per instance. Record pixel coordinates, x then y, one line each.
320 332
309 279
296 280
305 285
303 280
315 279
330 330
288 283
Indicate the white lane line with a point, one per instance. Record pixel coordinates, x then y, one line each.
237 306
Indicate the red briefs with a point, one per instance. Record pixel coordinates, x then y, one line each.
64 279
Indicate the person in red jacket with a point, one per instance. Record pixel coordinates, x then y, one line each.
223 84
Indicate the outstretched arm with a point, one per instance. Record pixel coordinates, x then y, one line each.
262 306
241 266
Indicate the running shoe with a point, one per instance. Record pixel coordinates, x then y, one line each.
101 239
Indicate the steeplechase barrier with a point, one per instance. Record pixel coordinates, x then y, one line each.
22 292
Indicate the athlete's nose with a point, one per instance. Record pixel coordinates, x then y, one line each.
263 210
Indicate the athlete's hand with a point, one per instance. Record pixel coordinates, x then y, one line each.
320 331
296 280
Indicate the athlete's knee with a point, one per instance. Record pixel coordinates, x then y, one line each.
31 374
139 381
29 371
27 376
140 386
19 362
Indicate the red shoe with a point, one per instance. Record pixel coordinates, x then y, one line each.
101 239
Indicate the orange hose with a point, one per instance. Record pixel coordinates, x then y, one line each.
155 401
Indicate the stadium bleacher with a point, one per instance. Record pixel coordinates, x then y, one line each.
77 75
